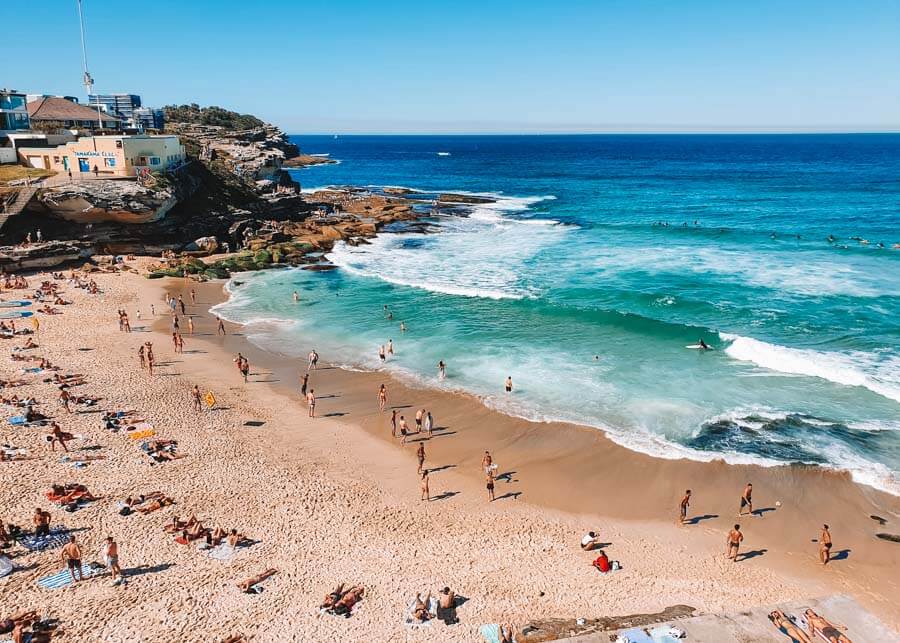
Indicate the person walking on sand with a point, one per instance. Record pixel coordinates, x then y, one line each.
220 329
142 358
111 559
746 500
193 297
429 423
245 369
190 325
486 462
426 494
733 543
404 429
382 398
419 415
304 380
381 353
490 484
150 360
825 545
179 343
394 423
197 397
311 402
685 503
312 360
181 304
509 384
420 454
71 558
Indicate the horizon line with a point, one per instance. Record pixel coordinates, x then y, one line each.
699 132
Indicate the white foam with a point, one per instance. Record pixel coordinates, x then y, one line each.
847 369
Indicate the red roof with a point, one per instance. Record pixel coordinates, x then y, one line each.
60 109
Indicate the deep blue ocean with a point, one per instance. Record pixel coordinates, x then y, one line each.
602 260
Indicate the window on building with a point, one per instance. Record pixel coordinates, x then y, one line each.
56 159
119 144
108 162
154 160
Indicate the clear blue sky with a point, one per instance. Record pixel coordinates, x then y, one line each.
475 66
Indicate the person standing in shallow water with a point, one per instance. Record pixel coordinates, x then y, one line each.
509 384
442 369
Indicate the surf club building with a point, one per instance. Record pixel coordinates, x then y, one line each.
115 156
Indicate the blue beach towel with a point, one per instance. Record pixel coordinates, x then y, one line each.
57 537
17 420
635 635
491 633
63 578
666 634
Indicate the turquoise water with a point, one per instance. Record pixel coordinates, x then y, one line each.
571 284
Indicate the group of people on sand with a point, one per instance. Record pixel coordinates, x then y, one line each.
735 536
808 627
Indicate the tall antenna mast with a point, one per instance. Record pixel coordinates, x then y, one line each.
87 80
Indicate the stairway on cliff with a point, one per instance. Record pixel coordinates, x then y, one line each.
16 204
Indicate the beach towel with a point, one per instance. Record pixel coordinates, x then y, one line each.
57 537
634 635
137 435
666 634
412 621
490 633
63 578
223 552
6 566
17 420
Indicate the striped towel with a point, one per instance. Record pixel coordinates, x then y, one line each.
57 537
63 578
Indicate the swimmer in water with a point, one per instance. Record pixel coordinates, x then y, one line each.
402 327
296 297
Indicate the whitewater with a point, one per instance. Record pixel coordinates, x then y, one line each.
600 260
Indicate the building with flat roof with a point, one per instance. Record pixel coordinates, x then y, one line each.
13 111
149 118
108 156
121 105
58 113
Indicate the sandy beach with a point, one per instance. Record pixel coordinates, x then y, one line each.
335 499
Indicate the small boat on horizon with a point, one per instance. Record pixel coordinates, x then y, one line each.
443 153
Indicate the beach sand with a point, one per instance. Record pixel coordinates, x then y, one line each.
336 499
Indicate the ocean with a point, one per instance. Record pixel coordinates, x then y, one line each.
602 260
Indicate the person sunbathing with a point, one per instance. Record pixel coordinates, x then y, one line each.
12 383
234 538
420 610
218 535
29 344
332 599
821 625
247 585
788 628
350 598
24 619
47 310
69 493
154 504
34 416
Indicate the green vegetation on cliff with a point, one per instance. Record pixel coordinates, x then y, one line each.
212 115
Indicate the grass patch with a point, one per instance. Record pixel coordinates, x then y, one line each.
15 172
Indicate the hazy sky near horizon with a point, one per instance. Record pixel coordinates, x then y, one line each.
486 66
